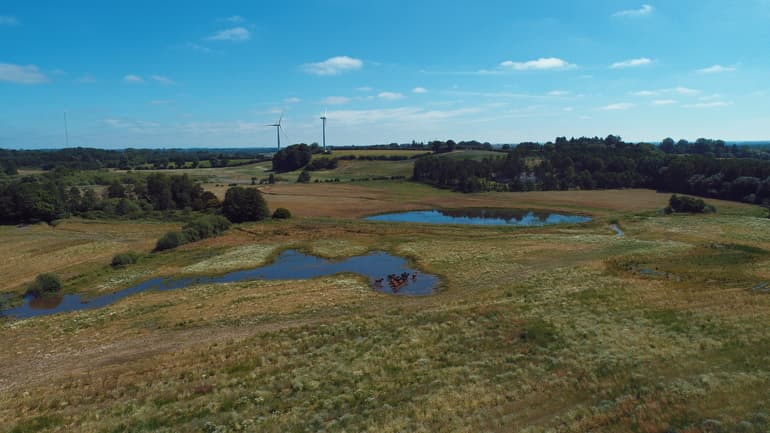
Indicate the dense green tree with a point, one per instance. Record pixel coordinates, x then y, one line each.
291 158
244 204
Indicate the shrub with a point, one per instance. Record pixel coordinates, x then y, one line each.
205 227
45 283
124 259
171 240
686 204
244 204
281 213
304 177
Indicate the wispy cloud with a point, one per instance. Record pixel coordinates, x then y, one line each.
161 102
334 66
292 100
131 78
646 93
163 80
716 69
558 93
199 48
235 19
236 34
364 89
684 91
9 21
631 63
29 74
618 106
664 102
397 115
644 10
390 96
543 63
419 90
715 104
335 100
86 79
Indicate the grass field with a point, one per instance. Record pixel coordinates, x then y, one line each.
555 329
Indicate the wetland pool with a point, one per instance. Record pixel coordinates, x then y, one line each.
482 216
386 274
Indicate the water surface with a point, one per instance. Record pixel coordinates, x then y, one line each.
480 216
386 273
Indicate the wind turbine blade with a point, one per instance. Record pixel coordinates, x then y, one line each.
280 118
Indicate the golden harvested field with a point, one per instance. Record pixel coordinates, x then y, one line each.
555 329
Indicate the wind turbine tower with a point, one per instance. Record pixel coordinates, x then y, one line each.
323 119
278 128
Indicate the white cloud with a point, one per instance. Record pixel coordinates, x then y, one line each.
236 34
333 66
86 79
644 10
539 64
618 106
419 90
8 21
631 63
163 80
568 109
131 78
29 74
235 19
390 96
292 100
684 91
199 48
716 69
714 104
335 100
397 115
646 93
664 102
364 89
558 93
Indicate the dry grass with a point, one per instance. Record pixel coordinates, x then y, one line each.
70 248
535 330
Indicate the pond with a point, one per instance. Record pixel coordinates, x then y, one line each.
481 216
386 273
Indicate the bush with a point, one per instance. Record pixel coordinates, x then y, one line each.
124 259
244 204
171 240
281 214
686 204
45 283
205 227
304 177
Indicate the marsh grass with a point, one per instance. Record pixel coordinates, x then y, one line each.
535 330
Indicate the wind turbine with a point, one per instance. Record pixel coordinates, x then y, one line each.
278 129
323 118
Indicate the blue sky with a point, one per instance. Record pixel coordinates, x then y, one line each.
185 74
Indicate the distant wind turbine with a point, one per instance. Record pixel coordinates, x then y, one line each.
278 129
323 118
66 132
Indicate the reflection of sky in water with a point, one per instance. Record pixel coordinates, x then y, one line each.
288 266
481 217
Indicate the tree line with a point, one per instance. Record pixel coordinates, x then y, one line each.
601 163
82 158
